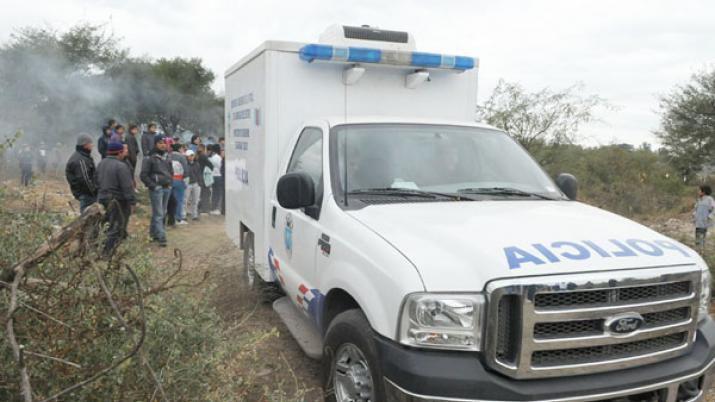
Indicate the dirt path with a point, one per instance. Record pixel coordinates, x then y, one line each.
269 363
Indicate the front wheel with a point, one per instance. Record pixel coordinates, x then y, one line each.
351 372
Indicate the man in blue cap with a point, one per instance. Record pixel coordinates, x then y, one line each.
116 192
157 175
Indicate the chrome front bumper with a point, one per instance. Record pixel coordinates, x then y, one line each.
667 391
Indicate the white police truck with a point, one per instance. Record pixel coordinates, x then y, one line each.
426 257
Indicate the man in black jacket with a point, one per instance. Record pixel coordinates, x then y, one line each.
148 139
157 175
80 173
133 146
116 193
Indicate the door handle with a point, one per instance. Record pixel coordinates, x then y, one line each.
324 244
273 217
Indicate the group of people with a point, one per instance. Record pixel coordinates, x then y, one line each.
40 156
182 179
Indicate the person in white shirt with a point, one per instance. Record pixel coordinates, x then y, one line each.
217 188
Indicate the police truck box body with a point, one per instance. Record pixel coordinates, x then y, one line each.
427 257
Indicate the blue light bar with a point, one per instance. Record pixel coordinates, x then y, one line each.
352 54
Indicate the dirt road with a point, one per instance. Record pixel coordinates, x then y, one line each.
270 365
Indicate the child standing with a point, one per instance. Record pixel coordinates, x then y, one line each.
704 207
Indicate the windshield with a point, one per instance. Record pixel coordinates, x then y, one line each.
435 158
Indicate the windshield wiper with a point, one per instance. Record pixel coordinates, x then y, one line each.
504 191
408 192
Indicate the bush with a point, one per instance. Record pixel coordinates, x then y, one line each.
64 314
629 182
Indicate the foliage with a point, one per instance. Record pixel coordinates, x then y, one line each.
8 142
541 118
64 314
54 85
629 182
688 124
50 83
176 93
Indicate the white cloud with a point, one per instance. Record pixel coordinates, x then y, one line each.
626 51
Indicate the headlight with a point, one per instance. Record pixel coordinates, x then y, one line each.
442 321
704 294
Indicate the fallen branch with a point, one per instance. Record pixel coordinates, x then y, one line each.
116 364
57 359
91 216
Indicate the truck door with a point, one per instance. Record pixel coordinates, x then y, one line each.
295 232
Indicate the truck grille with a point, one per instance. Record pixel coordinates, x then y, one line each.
559 325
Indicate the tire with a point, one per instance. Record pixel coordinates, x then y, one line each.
267 291
350 350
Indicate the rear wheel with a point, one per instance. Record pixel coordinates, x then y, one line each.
350 362
267 291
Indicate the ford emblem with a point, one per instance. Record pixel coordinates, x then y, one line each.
624 324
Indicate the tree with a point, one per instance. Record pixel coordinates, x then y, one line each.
176 93
541 118
54 85
51 83
687 127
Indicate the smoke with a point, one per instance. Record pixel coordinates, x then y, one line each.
54 86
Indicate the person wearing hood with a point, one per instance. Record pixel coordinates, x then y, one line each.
103 141
157 175
116 192
80 172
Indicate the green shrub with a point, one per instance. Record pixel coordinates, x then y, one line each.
633 183
65 314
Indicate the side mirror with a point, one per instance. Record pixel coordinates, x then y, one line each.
568 184
295 190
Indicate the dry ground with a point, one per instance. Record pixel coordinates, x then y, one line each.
277 366
274 364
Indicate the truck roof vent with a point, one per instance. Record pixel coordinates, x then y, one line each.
367 36
369 33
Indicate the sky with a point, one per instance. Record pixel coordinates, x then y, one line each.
629 52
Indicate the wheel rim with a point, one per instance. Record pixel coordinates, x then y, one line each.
352 377
250 266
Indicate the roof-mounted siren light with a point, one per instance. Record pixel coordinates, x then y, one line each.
367 36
